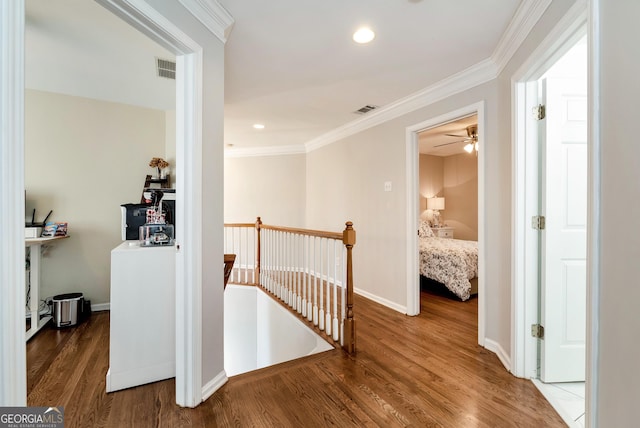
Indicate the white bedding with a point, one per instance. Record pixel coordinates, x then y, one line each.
453 262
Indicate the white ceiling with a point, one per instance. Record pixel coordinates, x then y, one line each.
78 47
290 65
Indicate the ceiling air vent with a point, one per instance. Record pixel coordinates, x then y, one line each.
166 68
365 109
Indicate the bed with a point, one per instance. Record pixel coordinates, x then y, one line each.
451 262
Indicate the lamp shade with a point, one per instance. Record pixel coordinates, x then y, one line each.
435 203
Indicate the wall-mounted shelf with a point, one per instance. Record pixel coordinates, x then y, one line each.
165 183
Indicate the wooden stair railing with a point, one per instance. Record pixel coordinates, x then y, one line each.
229 259
310 271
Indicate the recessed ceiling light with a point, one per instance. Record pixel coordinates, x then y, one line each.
363 35
258 126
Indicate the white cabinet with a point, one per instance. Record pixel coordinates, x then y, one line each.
443 232
142 321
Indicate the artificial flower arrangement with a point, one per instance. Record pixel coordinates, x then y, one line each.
160 164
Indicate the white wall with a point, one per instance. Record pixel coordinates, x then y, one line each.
83 159
170 144
431 178
461 195
212 213
456 178
618 380
272 187
360 164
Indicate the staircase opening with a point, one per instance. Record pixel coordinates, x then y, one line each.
288 293
259 332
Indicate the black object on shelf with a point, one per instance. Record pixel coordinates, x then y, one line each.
33 223
164 184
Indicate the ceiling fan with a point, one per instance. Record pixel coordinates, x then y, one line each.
471 139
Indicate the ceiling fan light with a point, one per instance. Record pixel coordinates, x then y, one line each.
475 146
468 148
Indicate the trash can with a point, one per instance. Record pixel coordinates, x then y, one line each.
67 309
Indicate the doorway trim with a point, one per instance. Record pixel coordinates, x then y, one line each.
524 300
13 361
573 26
413 208
142 16
146 19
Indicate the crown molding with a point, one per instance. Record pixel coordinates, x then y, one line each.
473 76
212 15
146 19
573 22
245 152
518 29
523 21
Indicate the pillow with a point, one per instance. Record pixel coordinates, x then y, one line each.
424 230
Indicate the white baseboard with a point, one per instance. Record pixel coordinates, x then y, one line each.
100 307
382 301
213 385
495 347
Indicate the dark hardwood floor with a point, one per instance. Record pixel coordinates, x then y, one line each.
424 371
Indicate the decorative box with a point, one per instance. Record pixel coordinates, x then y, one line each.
152 235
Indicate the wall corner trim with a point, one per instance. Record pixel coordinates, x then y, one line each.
493 346
381 300
525 18
243 152
99 307
213 385
212 15
475 75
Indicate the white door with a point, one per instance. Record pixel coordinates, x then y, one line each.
564 243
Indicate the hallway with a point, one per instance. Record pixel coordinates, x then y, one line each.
408 371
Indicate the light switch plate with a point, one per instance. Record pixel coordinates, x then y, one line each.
387 186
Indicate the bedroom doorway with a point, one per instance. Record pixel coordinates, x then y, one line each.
448 178
417 204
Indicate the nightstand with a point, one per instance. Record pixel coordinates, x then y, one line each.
443 232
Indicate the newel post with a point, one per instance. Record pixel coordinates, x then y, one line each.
349 240
256 277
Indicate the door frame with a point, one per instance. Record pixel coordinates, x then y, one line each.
413 208
524 253
575 24
142 16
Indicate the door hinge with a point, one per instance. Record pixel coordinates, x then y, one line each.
539 112
537 331
538 222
